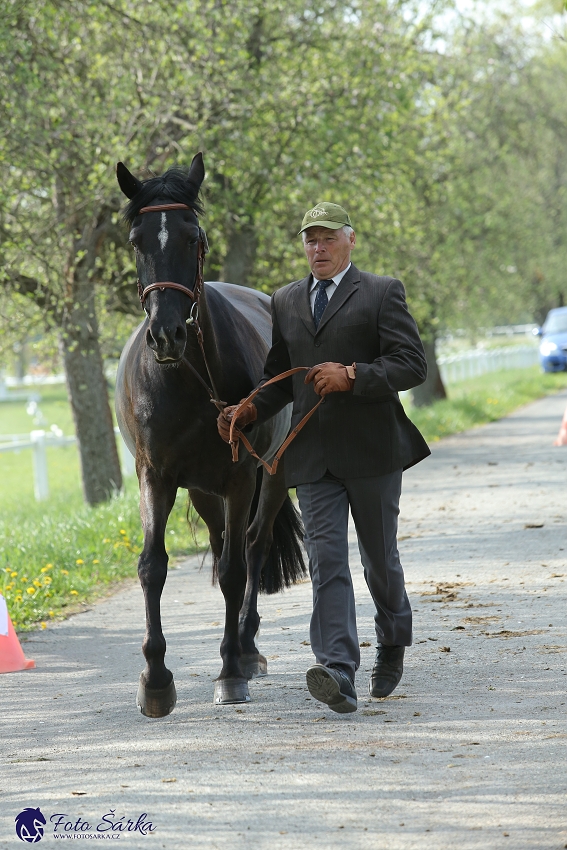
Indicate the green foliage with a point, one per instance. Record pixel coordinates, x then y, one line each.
484 399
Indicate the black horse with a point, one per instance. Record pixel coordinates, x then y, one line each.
199 342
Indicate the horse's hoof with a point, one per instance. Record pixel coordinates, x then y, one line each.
156 702
253 665
228 691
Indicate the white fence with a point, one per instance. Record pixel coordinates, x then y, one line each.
39 441
470 364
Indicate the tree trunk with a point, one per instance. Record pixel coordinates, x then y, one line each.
433 389
88 393
241 254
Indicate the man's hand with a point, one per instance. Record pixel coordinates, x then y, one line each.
330 378
247 415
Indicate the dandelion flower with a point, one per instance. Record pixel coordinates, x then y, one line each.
96 561
31 590
74 592
79 561
65 572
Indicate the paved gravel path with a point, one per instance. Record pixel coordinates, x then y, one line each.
469 752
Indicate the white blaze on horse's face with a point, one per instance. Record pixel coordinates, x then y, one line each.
163 235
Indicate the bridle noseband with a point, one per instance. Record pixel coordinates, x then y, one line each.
203 249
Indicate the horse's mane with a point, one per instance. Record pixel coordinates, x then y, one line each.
174 185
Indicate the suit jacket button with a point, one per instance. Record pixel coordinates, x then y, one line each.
317 343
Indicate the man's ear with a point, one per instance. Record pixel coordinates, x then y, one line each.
129 184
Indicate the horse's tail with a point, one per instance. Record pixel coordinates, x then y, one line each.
285 564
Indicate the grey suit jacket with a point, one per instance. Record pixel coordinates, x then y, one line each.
364 432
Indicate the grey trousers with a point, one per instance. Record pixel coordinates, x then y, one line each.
374 504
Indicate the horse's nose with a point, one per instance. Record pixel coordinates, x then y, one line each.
167 343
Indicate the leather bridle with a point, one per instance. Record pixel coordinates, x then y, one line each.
203 249
194 294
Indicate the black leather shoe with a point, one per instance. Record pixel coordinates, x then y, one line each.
332 687
387 670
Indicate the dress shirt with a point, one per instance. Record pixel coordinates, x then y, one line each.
331 288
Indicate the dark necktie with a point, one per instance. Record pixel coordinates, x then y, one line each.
321 301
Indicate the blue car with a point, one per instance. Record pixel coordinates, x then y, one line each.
553 345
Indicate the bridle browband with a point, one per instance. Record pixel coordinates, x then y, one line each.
203 249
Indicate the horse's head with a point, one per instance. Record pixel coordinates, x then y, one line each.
168 243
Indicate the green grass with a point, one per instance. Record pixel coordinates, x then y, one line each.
63 463
59 553
484 399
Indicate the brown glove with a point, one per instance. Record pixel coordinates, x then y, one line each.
331 378
247 415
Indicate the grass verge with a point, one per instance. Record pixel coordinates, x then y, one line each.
54 556
484 399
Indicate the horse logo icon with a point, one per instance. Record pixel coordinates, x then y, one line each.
29 825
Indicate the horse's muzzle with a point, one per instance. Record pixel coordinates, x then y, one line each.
167 344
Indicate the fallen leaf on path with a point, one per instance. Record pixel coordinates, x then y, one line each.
534 525
445 649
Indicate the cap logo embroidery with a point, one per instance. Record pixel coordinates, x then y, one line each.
317 212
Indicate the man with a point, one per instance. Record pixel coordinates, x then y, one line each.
354 329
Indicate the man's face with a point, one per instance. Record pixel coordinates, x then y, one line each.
328 251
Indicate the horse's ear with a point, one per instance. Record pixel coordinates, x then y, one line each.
129 184
197 171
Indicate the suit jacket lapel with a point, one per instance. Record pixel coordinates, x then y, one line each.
302 305
345 289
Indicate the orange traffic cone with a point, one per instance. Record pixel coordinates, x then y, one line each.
12 656
562 436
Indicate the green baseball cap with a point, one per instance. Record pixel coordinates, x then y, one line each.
325 215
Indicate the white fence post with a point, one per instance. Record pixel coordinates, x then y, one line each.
40 479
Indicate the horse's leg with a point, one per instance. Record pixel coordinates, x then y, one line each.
258 543
231 685
156 691
211 510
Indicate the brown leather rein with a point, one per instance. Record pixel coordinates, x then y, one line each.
290 437
193 320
